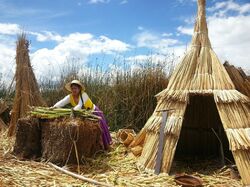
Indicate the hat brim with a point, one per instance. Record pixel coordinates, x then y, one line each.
68 86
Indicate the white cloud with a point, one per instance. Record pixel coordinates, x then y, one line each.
158 42
77 45
167 34
7 62
49 61
15 29
225 6
185 30
9 29
98 1
47 36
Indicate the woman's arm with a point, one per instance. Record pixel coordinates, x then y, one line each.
63 102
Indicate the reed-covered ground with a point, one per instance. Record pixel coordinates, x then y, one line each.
116 168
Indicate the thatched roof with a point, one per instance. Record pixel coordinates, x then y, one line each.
200 82
200 70
27 91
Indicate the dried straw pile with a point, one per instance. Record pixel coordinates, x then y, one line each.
200 73
239 78
70 140
116 168
60 141
27 91
28 138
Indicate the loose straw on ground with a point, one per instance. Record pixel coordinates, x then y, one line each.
79 176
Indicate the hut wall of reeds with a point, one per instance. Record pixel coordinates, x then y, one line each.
239 78
27 91
200 84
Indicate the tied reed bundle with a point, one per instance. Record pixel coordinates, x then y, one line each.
27 91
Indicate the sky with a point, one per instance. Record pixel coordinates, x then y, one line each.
102 31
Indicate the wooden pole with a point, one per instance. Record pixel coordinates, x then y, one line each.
222 157
79 176
161 145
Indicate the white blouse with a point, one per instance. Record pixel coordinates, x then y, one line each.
66 100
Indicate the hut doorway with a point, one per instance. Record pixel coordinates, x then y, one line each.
198 140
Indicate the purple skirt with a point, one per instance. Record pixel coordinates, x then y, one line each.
106 138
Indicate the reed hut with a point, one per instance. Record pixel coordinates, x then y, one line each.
239 78
27 91
202 99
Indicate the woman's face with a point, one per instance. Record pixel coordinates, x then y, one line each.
75 89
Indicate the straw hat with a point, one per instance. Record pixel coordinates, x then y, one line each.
68 85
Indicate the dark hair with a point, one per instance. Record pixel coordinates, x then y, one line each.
76 85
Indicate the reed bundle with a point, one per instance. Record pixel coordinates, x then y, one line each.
27 92
200 82
47 113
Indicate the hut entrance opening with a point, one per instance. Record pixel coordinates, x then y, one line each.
198 140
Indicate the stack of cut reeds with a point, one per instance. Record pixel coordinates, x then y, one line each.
27 91
47 113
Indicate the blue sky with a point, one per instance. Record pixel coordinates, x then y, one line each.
87 29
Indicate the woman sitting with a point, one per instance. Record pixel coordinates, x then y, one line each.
79 99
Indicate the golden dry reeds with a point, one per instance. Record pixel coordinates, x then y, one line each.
27 91
239 78
116 168
201 74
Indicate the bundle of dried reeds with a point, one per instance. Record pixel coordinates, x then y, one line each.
27 91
